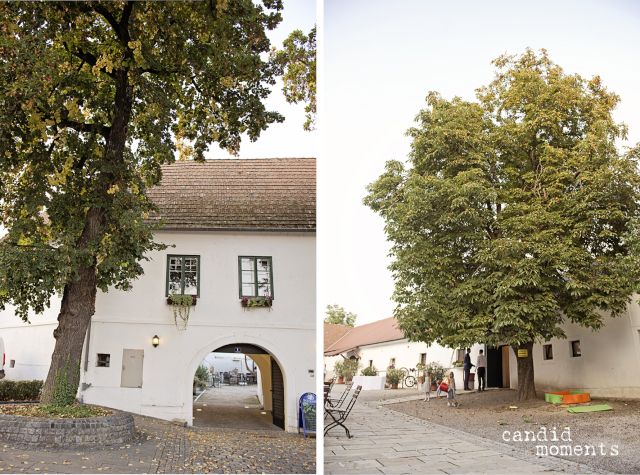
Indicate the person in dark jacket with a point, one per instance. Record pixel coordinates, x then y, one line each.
467 368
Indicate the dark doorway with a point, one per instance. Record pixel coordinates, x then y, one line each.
494 367
277 388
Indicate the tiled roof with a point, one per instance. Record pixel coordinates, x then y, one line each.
333 333
376 332
267 193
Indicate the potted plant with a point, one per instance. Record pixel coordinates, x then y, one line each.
338 369
369 371
393 377
420 367
438 373
351 368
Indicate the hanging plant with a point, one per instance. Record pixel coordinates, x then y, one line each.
181 308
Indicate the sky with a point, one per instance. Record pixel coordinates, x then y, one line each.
287 139
380 61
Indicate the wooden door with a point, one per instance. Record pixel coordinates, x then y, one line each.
494 368
277 394
132 368
506 381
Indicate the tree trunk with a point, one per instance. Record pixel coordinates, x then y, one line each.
78 305
526 384
79 298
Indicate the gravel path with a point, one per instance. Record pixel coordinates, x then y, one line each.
489 415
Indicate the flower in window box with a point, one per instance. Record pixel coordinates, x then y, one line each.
249 302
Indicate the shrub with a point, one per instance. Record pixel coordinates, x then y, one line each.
370 371
20 390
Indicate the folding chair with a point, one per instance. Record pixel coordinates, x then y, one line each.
334 403
340 416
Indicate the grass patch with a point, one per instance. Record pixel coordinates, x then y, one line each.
55 412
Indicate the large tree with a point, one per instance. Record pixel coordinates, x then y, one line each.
94 98
511 216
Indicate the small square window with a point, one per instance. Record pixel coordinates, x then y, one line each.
575 348
183 275
370 363
392 362
255 276
423 358
103 360
12 363
547 352
460 355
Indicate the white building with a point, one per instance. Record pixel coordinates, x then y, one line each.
604 363
381 344
239 228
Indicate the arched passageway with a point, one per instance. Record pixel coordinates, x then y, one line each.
244 389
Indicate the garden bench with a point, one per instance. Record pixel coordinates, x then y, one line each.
340 416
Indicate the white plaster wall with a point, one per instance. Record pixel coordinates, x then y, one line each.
29 344
609 365
129 321
407 354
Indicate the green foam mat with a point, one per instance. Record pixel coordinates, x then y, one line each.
601 407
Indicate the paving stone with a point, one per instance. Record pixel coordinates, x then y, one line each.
404 444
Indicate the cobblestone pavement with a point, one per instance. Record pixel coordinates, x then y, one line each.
389 442
161 447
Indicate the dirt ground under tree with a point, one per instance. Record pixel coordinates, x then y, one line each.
489 415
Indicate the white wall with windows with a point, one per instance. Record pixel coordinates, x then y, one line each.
605 363
405 354
129 320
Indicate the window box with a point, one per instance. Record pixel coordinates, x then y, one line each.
195 300
256 302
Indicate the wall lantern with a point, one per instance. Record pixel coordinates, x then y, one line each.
155 340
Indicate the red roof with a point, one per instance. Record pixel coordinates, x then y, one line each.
333 333
369 334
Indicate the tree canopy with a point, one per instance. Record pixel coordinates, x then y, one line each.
339 316
511 215
75 75
298 62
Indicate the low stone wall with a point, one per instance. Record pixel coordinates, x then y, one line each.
95 431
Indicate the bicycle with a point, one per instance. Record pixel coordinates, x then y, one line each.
409 381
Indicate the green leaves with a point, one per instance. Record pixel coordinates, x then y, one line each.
297 61
514 213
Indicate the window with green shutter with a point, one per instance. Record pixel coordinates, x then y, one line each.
183 275
255 276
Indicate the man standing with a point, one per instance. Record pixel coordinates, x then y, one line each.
481 365
467 368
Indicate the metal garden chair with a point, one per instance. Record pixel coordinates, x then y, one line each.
340 416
